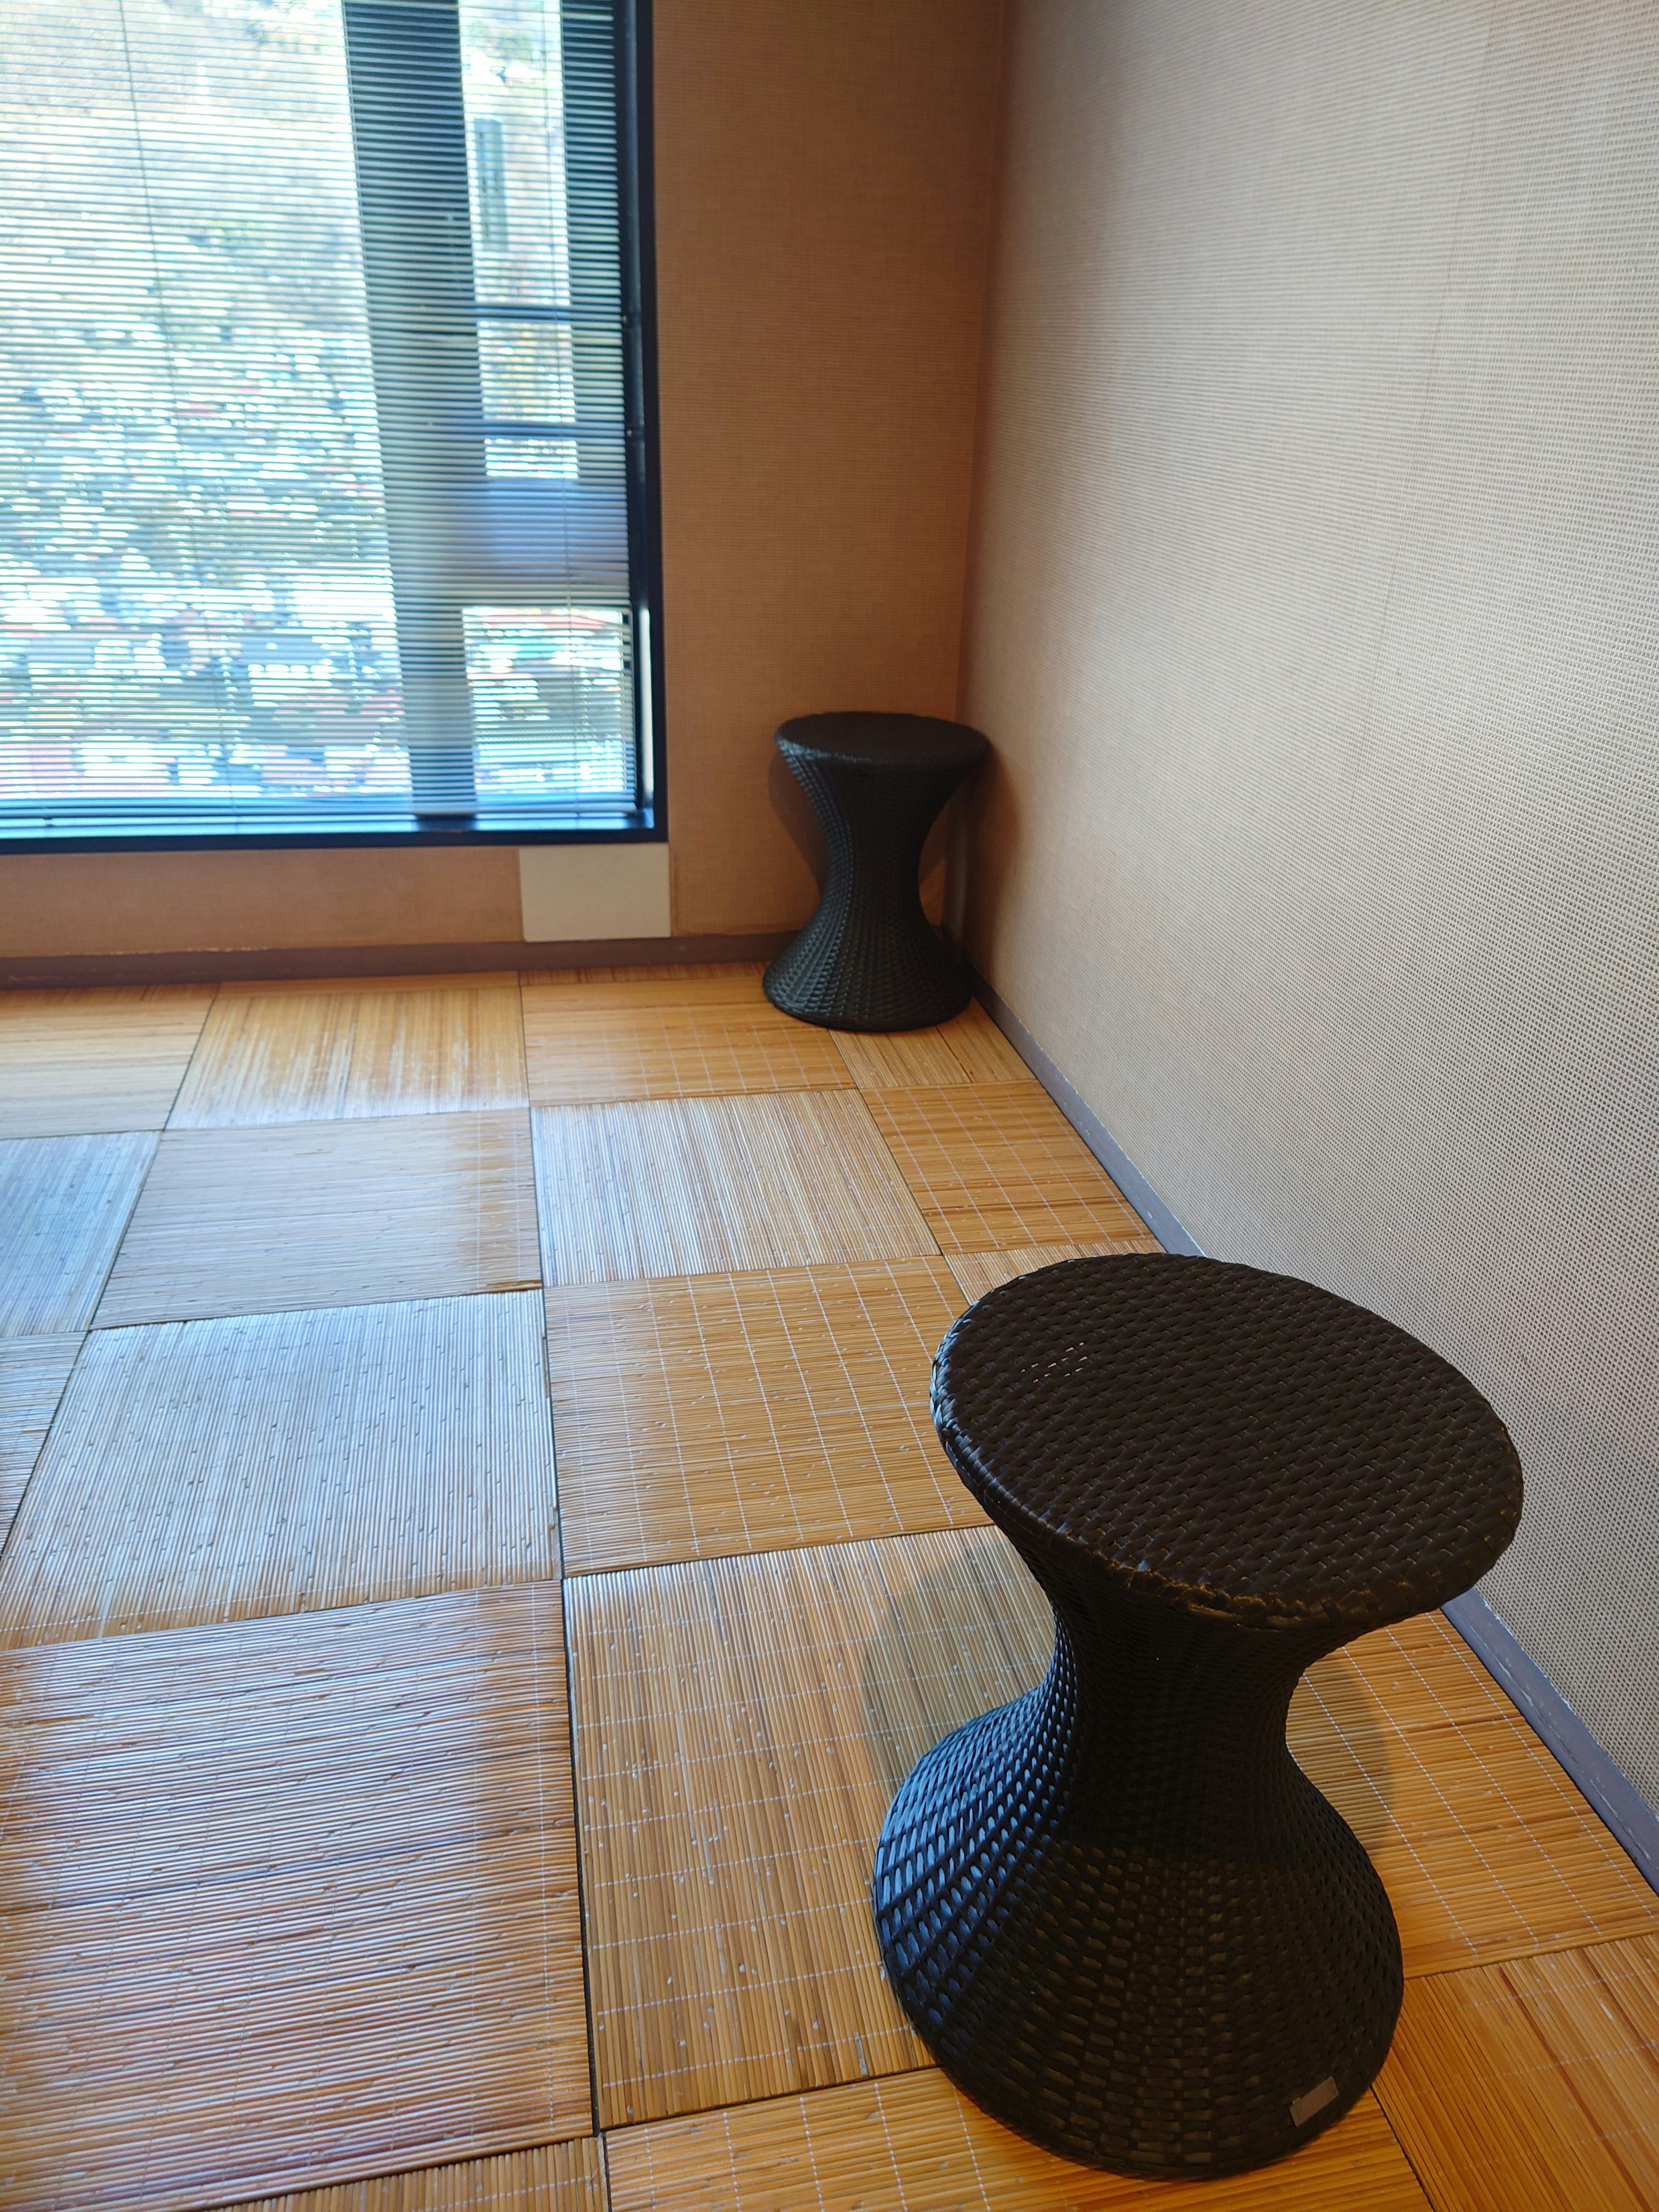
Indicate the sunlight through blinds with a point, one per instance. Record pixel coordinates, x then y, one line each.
317 417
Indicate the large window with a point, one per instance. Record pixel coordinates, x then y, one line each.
327 508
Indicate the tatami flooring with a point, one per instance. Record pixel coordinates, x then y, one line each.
478 1566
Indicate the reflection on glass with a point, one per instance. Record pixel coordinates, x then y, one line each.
195 591
510 61
195 600
526 369
489 182
530 456
553 701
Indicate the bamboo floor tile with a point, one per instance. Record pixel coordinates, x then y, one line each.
337 1056
979 1272
1422 1674
287 1903
297 987
33 1372
743 1413
995 1167
969 1049
64 1206
1533 2083
741 1725
86 1063
238 1221
1487 1849
579 1054
566 2177
914 2144
225 1470
661 983
718 1186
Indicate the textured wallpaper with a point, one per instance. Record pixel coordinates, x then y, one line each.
1313 611
823 193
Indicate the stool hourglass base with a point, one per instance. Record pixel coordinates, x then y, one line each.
1125 1922
869 959
1120 1916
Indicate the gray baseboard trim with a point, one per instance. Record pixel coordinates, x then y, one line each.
313 962
1633 1821
1609 1789
1088 1124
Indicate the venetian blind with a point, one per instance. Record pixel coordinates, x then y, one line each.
316 417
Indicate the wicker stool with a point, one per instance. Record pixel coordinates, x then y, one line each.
1120 1916
868 959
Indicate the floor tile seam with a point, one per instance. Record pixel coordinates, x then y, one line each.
683 1094
1537 1947
700 1097
214 995
813 1271
243 1623
170 1129
343 2175
10 1649
584 1930
96 1299
16 1520
689 1026
214 999
777 1545
1400 2143
323 1122
571 1848
877 1129
543 1261
278 987
781 2098
877 2078
520 1286
333 1305
776 1551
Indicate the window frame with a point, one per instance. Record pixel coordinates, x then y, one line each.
646 822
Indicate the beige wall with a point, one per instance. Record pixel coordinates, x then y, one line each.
824 179
1315 616
824 187
92 902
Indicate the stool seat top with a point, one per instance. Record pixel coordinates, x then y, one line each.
870 740
1235 1443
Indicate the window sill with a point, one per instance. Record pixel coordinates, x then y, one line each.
277 828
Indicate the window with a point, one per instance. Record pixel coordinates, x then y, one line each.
328 506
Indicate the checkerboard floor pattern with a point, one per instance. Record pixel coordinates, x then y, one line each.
479 1564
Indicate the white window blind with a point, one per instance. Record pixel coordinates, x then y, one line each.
320 424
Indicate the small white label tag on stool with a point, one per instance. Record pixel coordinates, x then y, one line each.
1304 2108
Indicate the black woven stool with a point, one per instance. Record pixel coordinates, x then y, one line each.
1120 1916
869 959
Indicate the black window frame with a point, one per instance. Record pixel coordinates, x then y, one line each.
646 822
